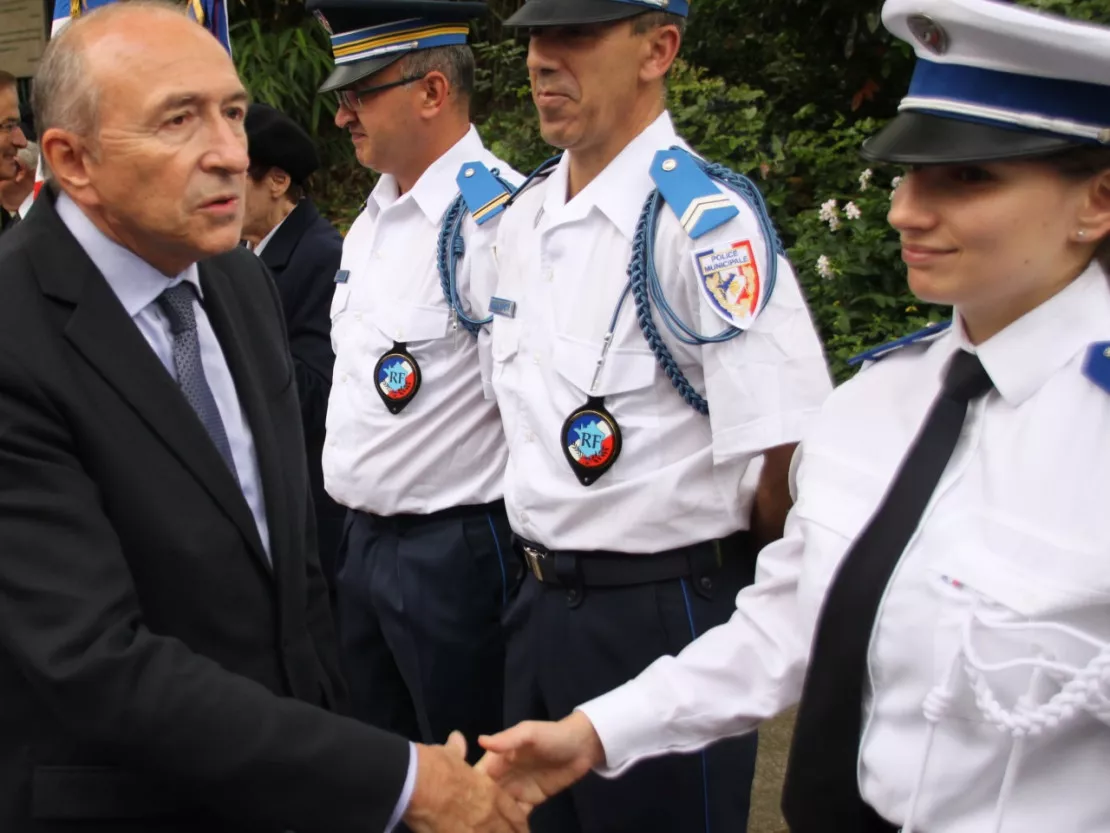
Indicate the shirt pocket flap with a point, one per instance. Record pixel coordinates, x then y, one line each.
625 369
408 323
1031 572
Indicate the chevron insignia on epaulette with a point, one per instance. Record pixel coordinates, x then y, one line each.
876 353
484 193
1097 365
693 196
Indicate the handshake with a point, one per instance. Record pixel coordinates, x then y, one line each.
523 766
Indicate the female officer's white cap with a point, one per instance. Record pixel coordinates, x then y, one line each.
995 81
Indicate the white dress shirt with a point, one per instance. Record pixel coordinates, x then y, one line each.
446 448
681 477
1006 584
138 285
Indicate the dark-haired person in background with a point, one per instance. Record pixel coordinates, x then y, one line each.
303 251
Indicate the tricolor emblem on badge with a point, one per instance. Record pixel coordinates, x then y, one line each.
591 441
729 277
397 378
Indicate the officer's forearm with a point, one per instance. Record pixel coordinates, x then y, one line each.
772 495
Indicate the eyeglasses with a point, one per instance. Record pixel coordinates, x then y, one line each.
10 125
352 98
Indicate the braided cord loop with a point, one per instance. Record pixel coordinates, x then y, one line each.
647 290
450 247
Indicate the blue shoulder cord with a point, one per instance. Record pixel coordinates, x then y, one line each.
451 247
646 288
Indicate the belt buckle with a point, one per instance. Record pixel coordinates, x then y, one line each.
534 557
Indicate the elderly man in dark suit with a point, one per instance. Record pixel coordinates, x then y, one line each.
167 663
302 251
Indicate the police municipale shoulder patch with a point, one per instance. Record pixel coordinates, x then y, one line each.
729 278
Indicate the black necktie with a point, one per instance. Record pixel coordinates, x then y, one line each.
821 792
177 304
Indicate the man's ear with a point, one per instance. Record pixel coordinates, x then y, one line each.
661 46
437 94
68 157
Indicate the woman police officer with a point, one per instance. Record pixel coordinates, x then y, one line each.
940 602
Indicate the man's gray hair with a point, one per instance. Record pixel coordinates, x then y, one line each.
29 157
455 62
63 95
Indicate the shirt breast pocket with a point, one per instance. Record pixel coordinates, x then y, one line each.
626 384
410 323
1019 607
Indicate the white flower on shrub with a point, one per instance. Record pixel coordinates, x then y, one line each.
852 212
824 267
865 179
830 214
894 183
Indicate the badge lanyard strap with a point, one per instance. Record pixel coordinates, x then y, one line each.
608 340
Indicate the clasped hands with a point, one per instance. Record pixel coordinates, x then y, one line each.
523 766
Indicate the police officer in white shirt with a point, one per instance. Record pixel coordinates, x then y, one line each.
942 586
414 448
642 460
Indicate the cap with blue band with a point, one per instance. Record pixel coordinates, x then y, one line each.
995 81
541 13
369 35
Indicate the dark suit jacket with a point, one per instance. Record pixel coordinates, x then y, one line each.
156 674
304 256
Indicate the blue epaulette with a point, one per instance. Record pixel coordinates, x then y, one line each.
486 195
695 199
876 353
1097 366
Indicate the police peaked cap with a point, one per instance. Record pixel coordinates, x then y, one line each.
369 35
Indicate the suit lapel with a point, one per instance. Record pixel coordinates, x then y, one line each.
226 316
102 332
278 251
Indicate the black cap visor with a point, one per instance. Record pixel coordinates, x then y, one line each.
540 13
345 75
914 138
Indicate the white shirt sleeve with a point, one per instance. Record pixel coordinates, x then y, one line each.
766 383
729 679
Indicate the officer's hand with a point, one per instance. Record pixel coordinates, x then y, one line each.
450 797
534 761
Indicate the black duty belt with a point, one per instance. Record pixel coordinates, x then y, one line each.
598 568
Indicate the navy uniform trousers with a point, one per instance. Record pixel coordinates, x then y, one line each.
567 645
420 600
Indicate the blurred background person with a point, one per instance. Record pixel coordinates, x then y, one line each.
17 193
302 250
12 140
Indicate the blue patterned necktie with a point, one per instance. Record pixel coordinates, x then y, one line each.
177 304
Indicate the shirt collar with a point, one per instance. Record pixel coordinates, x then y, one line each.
135 282
1023 357
270 235
620 189
436 187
